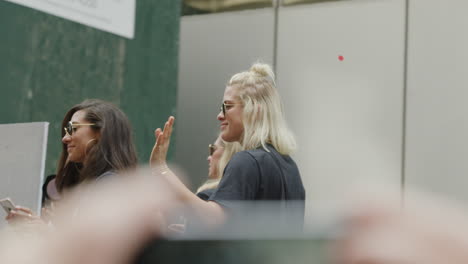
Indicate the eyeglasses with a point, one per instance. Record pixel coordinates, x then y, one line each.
71 127
225 107
211 149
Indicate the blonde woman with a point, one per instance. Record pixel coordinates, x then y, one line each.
216 150
252 120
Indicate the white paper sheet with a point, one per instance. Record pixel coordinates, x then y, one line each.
115 16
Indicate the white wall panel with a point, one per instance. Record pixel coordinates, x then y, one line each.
437 130
347 115
22 160
213 48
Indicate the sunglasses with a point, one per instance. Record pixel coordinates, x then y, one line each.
225 107
71 127
211 149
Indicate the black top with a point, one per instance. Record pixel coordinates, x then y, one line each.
259 175
205 194
45 194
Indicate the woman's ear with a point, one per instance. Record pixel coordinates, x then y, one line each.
97 135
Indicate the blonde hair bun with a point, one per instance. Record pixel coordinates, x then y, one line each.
263 69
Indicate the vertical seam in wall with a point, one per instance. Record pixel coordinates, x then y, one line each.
276 5
404 112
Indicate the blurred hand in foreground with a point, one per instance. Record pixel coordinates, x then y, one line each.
105 223
426 230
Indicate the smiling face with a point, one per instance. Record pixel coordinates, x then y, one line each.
82 138
231 126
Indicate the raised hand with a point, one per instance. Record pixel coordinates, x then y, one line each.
23 215
426 230
163 139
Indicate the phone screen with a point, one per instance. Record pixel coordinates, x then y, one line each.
7 205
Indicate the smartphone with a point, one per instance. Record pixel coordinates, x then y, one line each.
7 205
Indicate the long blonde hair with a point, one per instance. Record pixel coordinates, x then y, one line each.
263 116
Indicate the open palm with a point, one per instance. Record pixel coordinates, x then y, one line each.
163 139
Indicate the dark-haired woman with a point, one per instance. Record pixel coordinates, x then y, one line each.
97 143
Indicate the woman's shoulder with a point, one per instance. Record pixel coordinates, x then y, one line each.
242 156
250 154
254 155
106 175
261 155
263 151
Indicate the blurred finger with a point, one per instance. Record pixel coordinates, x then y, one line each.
21 214
157 132
166 125
170 126
158 135
14 216
24 209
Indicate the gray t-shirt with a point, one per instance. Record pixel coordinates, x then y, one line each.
259 175
272 185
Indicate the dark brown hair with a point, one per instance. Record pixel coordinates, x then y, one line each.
114 151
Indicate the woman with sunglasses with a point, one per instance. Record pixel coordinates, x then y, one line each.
252 120
215 169
96 143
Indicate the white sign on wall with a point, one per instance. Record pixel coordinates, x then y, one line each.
115 16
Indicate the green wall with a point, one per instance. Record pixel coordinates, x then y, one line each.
48 64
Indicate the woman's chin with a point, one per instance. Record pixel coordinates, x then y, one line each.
225 136
75 160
